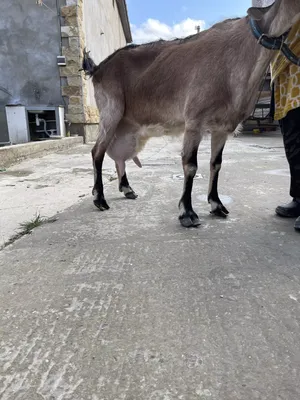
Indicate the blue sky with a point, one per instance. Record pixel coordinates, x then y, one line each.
170 13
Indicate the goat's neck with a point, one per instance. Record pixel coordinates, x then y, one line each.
281 17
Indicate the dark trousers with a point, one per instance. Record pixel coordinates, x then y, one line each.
290 128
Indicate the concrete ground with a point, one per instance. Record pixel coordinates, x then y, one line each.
127 304
45 186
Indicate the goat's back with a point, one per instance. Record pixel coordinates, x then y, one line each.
158 80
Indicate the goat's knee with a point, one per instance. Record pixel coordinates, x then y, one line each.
190 170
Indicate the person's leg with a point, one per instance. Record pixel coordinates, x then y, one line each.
290 128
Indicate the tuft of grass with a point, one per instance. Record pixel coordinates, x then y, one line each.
27 227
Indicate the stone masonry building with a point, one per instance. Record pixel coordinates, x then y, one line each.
33 36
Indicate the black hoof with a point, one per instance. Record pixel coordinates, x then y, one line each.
128 192
189 219
220 211
131 195
101 204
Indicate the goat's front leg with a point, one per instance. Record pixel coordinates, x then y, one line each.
124 186
217 147
188 218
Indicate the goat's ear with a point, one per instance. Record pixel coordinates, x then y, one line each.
257 13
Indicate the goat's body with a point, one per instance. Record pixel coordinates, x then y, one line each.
163 67
165 84
205 83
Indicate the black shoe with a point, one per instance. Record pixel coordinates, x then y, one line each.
297 224
289 210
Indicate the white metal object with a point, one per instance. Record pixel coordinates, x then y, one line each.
60 118
60 130
17 124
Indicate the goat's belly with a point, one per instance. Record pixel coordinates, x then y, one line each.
126 145
169 129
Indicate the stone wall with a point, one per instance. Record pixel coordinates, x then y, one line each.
96 25
72 78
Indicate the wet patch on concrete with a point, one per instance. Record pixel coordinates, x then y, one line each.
78 170
258 146
224 198
41 186
17 173
180 177
278 172
158 163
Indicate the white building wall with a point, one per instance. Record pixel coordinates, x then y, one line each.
262 3
103 33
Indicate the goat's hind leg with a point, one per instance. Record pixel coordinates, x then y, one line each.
217 146
124 186
98 153
192 137
107 130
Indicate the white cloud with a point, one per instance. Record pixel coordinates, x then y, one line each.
153 29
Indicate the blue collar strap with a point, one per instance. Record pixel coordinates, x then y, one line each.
274 43
270 43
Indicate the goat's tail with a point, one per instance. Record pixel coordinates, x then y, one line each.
88 64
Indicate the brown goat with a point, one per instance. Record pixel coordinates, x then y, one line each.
207 82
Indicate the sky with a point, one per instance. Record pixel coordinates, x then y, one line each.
154 19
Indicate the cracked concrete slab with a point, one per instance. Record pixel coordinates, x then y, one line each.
45 186
127 304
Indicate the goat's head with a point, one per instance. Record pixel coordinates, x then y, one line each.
278 17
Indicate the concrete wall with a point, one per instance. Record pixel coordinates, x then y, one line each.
105 36
29 43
